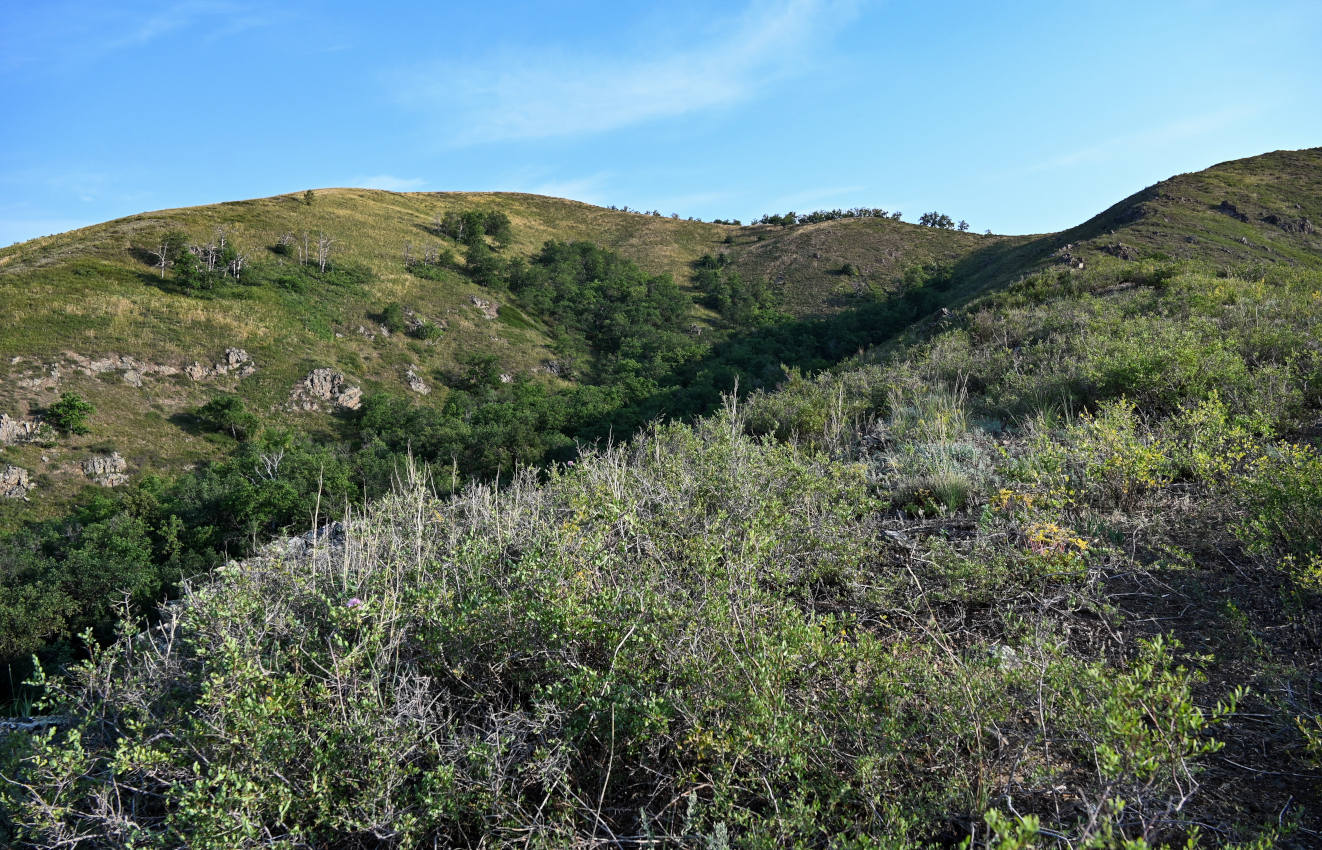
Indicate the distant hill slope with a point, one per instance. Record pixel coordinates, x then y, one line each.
1263 209
85 311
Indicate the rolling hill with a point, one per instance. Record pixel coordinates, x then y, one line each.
86 312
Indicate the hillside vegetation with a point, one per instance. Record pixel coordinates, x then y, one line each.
1041 569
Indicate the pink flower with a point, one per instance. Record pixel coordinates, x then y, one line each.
354 603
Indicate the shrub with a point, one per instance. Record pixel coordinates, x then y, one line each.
1281 494
427 331
697 616
70 413
393 318
227 413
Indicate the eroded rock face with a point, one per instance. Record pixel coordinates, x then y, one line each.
45 378
14 431
235 362
15 483
325 385
107 470
416 383
134 372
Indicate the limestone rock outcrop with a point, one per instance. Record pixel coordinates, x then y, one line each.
14 431
15 482
107 470
322 387
415 382
236 362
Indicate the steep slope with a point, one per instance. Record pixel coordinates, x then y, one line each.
833 265
1263 209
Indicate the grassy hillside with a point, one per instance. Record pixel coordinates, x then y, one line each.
93 295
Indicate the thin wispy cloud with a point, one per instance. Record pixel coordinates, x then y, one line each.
221 19
1173 132
571 94
390 183
74 34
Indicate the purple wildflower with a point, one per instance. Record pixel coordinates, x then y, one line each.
354 603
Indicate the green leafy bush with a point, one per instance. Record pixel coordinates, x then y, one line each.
227 413
70 414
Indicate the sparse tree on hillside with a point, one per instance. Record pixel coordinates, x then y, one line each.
172 244
497 226
162 258
308 197
323 250
936 219
236 264
963 226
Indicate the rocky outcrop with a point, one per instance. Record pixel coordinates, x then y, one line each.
1289 225
13 431
490 309
416 383
15 483
325 387
107 470
236 362
132 370
1065 255
1227 208
44 378
47 376
1121 251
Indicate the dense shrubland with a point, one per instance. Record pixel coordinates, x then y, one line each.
1046 575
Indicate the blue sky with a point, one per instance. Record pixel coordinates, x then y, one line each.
1019 117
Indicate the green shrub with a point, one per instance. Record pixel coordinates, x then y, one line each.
698 617
227 413
427 331
1281 495
393 318
70 414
